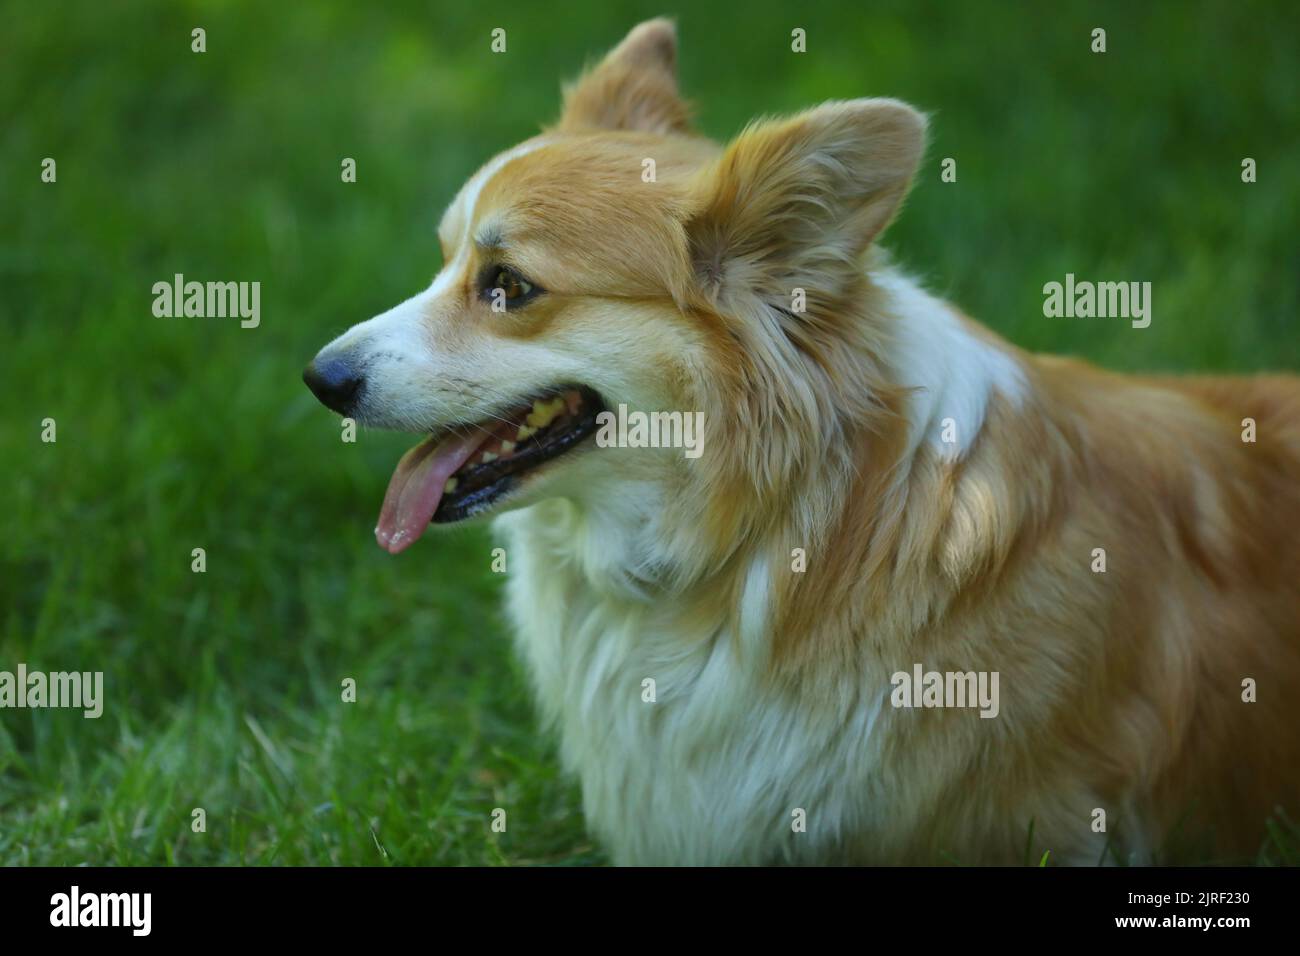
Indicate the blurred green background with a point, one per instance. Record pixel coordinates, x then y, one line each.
223 688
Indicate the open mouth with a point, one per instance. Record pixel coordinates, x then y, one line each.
463 471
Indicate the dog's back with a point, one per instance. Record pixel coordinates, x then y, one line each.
1240 744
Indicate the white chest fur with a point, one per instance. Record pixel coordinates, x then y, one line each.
715 768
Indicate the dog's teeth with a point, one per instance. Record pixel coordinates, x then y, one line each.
544 413
488 456
525 432
450 486
507 447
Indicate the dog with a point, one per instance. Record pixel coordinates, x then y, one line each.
749 654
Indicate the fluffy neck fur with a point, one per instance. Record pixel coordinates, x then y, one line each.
831 434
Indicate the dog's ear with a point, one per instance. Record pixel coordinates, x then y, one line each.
633 88
793 204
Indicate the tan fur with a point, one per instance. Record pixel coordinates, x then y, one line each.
1121 690
1126 686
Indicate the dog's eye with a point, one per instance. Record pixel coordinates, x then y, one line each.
506 285
514 286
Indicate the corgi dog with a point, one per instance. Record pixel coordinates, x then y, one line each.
749 653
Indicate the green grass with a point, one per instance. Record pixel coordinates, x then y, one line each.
223 688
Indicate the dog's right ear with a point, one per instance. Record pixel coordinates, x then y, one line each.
633 88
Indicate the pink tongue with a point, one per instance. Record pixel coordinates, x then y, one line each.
416 488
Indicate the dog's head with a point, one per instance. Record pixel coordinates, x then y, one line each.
621 259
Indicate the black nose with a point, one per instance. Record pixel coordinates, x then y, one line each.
335 383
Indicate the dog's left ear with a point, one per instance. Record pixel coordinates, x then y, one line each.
633 88
794 203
